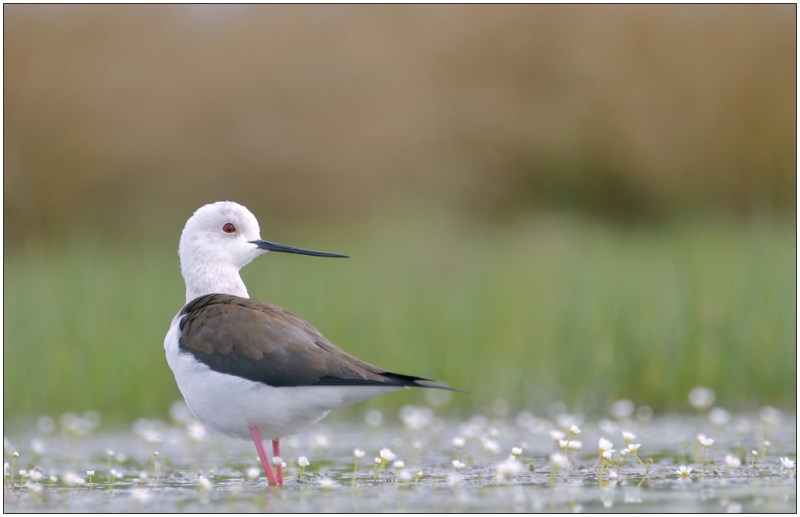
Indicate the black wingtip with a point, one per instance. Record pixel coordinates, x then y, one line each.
389 379
437 385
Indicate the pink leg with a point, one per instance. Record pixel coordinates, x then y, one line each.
276 451
262 454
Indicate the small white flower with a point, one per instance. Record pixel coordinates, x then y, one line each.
79 481
253 473
719 416
16 454
563 444
458 442
277 460
143 476
559 460
90 473
197 433
684 471
416 418
491 446
612 473
387 455
458 465
628 436
622 409
508 469
607 454
327 484
453 480
516 451
732 461
303 461
110 453
704 440
406 476
575 429
35 475
754 452
633 447
378 461
604 445
787 463
140 495
53 479
33 487
321 441
37 446
701 397
575 445
399 464
734 507
557 435
150 435
203 483
358 454
623 452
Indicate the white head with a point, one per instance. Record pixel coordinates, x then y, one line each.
220 232
219 240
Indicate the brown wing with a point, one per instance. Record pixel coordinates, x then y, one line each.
264 343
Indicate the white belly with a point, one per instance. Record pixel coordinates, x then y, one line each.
231 405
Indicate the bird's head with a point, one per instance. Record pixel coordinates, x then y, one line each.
227 234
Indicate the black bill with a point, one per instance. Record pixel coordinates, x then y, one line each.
273 246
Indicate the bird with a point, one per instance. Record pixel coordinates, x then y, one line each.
249 369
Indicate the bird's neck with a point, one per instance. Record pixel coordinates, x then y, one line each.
202 279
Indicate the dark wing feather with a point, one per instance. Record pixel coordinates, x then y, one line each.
264 343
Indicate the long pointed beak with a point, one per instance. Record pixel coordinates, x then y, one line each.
274 246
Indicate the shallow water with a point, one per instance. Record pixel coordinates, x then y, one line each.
488 481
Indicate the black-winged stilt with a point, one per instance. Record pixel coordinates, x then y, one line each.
249 369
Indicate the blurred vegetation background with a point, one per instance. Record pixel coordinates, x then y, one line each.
577 203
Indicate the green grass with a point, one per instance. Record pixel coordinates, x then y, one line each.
543 309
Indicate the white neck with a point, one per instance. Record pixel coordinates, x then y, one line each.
204 278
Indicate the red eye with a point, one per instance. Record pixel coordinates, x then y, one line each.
229 228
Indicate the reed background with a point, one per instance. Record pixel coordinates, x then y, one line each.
575 203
